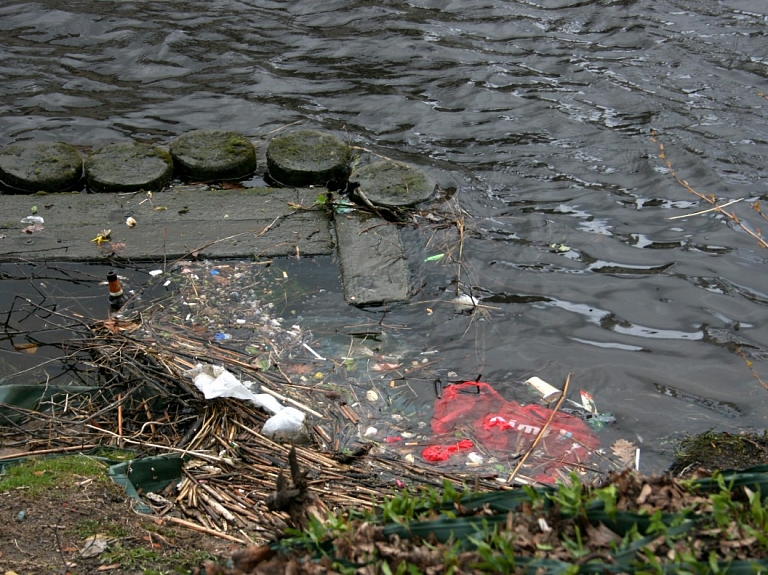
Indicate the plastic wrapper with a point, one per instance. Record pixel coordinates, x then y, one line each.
215 381
287 425
506 428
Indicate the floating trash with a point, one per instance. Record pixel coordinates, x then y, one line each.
554 441
465 302
434 258
548 392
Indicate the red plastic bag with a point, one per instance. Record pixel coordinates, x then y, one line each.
475 408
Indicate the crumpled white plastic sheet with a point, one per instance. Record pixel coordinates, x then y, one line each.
286 423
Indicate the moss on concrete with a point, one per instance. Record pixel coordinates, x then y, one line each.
393 184
716 450
209 155
308 157
30 167
128 167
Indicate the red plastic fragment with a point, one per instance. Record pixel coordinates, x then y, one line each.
443 452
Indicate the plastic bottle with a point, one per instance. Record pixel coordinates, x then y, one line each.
116 296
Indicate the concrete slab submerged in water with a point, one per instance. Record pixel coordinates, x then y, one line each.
30 167
373 264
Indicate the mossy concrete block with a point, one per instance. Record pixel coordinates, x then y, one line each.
128 167
29 167
308 157
393 184
374 269
208 155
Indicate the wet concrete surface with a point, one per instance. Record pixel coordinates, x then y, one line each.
190 220
373 264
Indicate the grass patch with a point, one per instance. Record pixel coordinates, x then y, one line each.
89 527
42 475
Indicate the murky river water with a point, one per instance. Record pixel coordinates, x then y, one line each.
538 112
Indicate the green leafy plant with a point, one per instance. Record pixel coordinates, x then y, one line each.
496 549
608 495
576 547
570 498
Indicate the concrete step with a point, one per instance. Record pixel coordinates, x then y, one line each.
373 265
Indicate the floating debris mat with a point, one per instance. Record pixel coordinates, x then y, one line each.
157 378
199 365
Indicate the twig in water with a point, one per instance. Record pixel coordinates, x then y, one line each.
371 152
542 431
707 210
709 199
751 368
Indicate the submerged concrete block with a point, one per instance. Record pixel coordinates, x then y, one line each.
308 157
374 268
392 184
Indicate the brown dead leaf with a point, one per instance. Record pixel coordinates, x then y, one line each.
298 368
247 559
746 542
644 493
115 325
26 347
113 248
601 536
625 451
